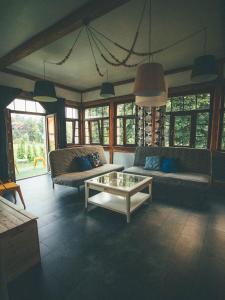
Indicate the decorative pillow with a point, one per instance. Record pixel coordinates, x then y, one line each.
83 163
152 163
95 160
169 165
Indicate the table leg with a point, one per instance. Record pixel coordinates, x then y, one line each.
150 192
128 208
86 195
21 196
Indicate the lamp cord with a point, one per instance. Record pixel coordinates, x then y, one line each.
93 54
150 31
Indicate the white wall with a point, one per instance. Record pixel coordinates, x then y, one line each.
125 89
28 85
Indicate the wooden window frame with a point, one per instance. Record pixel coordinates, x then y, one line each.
193 114
100 121
222 122
124 118
74 125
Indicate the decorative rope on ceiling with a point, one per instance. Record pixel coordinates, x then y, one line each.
97 41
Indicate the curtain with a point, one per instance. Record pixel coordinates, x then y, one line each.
7 95
58 108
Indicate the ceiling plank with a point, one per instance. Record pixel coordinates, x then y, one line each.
35 78
86 13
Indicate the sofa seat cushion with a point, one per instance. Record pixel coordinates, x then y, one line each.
77 178
170 177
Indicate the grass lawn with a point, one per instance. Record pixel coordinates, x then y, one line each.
27 169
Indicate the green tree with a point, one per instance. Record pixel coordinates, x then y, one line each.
34 151
29 154
21 150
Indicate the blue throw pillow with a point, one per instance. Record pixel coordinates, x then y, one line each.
152 163
83 163
169 165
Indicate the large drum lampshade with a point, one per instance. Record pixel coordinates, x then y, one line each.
44 91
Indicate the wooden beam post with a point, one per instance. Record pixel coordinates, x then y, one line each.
216 113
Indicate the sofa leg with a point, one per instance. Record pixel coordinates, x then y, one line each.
53 185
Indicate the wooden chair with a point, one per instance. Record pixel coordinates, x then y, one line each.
12 186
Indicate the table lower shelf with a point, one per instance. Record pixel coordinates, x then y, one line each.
118 203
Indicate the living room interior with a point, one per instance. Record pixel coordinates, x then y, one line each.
112 152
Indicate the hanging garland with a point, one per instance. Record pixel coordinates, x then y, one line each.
95 41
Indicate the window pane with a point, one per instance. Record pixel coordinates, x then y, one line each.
177 103
105 132
182 130
97 112
203 101
168 105
69 113
30 106
120 109
39 108
69 132
202 126
75 113
167 130
119 131
130 131
190 102
95 132
20 104
128 108
11 106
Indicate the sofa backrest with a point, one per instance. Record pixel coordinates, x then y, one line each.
189 159
62 160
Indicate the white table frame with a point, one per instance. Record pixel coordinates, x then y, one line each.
130 195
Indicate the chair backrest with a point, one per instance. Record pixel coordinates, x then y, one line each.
62 160
189 159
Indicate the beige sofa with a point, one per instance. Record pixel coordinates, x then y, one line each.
64 170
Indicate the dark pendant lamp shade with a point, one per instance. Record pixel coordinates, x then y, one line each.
204 69
107 90
44 91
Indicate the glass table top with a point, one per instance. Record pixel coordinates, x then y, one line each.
119 180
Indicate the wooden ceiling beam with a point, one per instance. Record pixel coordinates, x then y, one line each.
167 72
86 13
35 78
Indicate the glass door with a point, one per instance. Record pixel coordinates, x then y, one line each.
29 144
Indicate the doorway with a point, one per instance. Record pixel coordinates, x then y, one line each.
29 145
28 127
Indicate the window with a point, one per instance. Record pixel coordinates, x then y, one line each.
125 124
26 106
97 125
72 125
187 121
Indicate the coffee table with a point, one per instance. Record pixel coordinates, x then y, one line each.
119 192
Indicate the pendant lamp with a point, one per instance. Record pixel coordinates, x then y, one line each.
155 101
150 86
107 90
150 80
44 90
204 69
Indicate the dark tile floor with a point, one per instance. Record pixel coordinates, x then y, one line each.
165 252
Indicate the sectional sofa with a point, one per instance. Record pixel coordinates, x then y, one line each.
64 170
192 179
